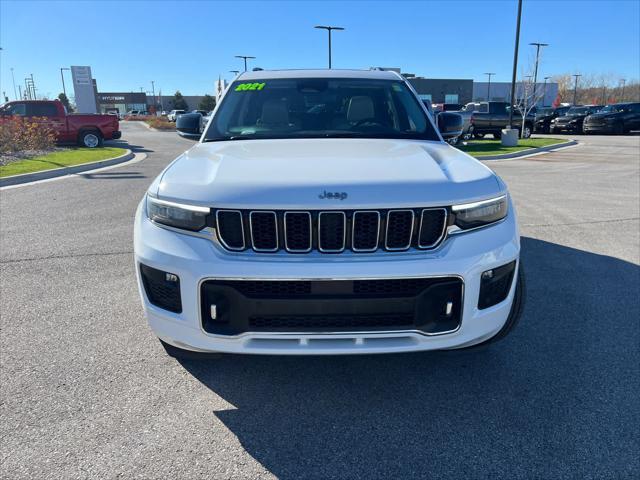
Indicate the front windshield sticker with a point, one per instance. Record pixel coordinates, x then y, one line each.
250 86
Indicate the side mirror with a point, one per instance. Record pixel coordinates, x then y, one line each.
188 125
450 124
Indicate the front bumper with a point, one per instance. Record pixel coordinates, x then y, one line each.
600 128
195 260
566 127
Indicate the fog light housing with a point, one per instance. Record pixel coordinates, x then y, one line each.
162 288
495 285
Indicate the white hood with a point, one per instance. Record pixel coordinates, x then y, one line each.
292 174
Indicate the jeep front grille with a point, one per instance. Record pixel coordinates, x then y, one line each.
332 231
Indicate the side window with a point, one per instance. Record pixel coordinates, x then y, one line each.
499 108
635 107
19 109
42 110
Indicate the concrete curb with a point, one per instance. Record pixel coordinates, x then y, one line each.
527 152
60 172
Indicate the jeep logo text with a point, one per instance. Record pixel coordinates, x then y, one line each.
333 195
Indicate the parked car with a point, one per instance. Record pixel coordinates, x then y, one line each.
201 112
618 118
87 130
447 107
320 213
495 117
173 114
133 113
544 117
573 119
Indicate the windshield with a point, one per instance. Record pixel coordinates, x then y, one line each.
319 108
578 111
544 111
612 109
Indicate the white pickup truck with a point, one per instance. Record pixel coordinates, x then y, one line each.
321 212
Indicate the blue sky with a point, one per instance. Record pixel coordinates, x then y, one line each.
186 45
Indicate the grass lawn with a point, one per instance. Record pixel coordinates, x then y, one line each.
67 158
480 148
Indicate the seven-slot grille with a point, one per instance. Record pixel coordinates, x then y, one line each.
332 231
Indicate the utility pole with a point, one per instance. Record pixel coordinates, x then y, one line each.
515 62
604 94
544 91
13 79
624 81
33 85
20 91
245 57
575 87
329 28
535 74
489 85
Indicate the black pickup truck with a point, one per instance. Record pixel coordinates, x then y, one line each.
493 117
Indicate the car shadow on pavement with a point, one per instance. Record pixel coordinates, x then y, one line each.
555 399
125 144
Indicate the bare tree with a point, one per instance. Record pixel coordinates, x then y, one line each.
527 97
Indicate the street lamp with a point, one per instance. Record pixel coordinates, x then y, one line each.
235 72
13 79
328 28
64 90
245 57
535 74
544 91
575 87
489 74
153 92
515 62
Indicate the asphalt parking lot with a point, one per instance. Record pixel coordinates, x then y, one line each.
88 392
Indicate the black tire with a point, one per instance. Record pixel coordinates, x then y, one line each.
497 135
478 135
181 354
527 132
90 139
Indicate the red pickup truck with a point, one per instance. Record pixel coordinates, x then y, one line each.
87 130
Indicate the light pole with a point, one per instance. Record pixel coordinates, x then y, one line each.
489 74
153 92
33 85
535 70
544 91
575 87
515 62
62 77
13 79
235 72
245 57
604 94
328 28
624 81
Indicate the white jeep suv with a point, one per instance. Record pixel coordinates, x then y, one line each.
322 213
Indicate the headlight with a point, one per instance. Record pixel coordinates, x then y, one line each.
553 121
188 217
478 214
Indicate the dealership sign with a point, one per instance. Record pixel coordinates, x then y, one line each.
83 89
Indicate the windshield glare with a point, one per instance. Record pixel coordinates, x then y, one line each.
611 109
320 108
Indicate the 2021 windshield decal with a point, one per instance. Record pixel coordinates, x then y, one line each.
250 86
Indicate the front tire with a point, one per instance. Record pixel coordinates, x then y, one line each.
525 133
90 139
